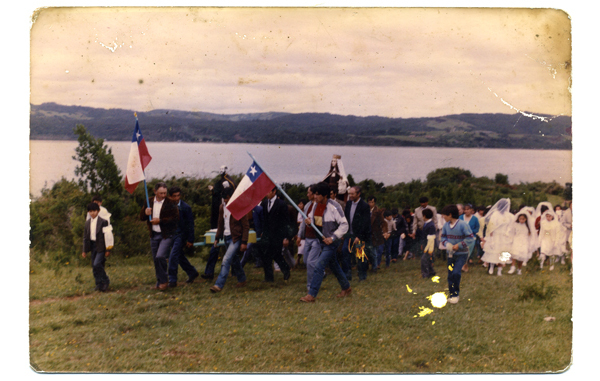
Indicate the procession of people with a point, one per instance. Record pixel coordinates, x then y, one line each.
337 230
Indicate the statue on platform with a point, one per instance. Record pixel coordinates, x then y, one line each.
336 177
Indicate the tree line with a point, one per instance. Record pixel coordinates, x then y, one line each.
57 216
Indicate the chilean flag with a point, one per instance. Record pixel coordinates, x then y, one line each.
139 158
252 189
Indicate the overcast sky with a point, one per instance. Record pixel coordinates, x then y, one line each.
387 62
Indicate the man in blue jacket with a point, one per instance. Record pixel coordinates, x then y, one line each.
184 237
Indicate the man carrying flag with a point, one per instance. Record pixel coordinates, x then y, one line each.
139 158
276 230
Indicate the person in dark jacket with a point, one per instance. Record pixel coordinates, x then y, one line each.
183 238
358 215
162 218
276 234
93 243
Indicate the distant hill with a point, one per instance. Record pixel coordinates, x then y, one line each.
56 122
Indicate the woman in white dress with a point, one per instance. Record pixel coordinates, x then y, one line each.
497 242
524 240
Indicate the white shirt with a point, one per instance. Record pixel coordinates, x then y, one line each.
271 202
93 227
156 213
226 218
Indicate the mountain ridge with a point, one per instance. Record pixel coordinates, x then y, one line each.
486 130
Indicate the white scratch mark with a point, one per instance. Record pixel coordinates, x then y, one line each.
533 116
548 66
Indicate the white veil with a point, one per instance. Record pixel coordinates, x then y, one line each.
533 238
343 183
538 210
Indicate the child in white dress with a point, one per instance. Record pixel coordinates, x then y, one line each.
524 240
552 238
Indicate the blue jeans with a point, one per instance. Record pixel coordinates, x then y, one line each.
177 258
327 258
161 248
378 252
456 263
388 251
312 248
231 259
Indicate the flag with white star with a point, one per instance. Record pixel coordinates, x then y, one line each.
252 189
139 158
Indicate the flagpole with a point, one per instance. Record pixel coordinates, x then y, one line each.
286 195
145 185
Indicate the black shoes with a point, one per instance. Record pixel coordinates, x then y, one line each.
192 278
205 276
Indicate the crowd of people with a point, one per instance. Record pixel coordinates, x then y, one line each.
340 233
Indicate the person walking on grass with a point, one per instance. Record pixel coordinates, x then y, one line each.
183 239
359 233
458 238
524 240
162 218
329 218
312 242
428 245
276 234
235 235
389 234
473 222
552 238
93 243
378 226
497 242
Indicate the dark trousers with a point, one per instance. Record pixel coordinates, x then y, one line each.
270 250
213 257
98 261
427 270
361 265
178 258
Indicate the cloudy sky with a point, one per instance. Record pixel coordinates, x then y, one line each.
388 62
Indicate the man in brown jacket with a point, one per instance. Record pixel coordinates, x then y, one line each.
235 234
378 226
162 218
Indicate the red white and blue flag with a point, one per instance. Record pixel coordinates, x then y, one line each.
138 160
252 189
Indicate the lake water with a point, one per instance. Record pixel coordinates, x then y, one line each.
51 160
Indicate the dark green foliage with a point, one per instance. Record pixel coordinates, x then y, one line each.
537 292
97 169
443 176
501 179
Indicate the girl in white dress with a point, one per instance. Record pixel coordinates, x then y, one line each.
497 242
552 238
524 240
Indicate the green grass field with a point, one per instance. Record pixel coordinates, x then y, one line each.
264 328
